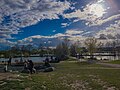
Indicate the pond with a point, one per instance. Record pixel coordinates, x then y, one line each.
34 59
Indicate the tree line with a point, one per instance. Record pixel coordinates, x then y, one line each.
63 50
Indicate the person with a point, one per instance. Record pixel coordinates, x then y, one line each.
25 65
5 68
57 59
51 58
9 61
47 64
31 66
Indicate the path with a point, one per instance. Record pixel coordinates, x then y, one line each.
111 65
104 64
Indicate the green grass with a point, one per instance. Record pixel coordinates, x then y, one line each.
114 62
69 75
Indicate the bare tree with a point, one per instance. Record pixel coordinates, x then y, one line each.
73 50
62 50
92 44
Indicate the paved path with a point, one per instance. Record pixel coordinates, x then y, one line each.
105 64
111 65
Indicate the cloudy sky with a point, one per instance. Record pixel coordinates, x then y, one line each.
49 21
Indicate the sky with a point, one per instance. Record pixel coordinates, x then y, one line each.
49 22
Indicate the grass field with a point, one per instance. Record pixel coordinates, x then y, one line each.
114 62
68 75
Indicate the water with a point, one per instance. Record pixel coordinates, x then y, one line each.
105 57
41 59
34 59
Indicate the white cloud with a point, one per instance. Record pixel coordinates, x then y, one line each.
100 21
76 20
99 1
72 35
54 31
82 15
76 14
23 13
65 24
5 34
92 14
5 42
108 35
73 32
111 32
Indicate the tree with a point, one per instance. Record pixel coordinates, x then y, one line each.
58 51
116 48
92 44
14 50
65 49
62 51
29 48
73 51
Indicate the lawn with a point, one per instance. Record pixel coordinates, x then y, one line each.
68 75
114 62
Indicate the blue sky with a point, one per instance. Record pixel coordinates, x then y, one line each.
30 21
45 27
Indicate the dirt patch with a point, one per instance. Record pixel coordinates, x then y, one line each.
4 76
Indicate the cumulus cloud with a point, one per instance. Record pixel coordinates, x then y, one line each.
92 14
44 40
65 24
45 9
23 13
73 32
5 34
54 31
89 13
16 14
111 32
4 42
76 14
100 21
99 1
73 35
